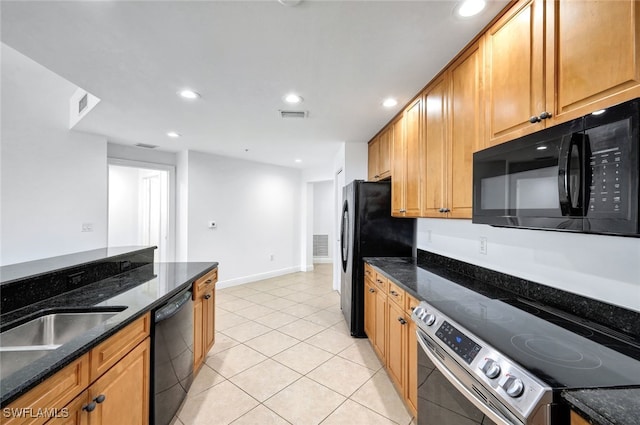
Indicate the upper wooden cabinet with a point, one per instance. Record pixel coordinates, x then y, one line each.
380 155
594 54
453 122
559 60
408 163
515 72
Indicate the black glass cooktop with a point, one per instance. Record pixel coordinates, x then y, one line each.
560 352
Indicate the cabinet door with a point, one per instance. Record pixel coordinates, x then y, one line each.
466 120
411 386
596 55
435 142
515 72
125 388
396 341
576 419
414 160
76 415
398 168
374 153
379 341
209 318
384 152
370 309
198 333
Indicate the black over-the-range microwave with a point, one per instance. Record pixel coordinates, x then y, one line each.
580 176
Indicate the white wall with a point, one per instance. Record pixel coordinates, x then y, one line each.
52 179
256 207
133 153
323 212
606 268
124 206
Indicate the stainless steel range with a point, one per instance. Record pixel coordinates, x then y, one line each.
501 360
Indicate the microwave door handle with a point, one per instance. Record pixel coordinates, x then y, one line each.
564 173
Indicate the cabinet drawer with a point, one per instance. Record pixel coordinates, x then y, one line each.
55 393
113 349
382 282
396 294
410 303
205 283
369 272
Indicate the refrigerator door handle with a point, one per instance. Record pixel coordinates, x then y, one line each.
344 236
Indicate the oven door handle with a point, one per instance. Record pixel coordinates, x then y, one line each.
493 414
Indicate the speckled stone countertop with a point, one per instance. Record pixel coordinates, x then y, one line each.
606 407
599 406
137 291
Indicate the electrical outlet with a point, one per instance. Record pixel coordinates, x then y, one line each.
483 245
272 257
87 227
429 236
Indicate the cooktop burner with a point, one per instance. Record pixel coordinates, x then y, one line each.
556 352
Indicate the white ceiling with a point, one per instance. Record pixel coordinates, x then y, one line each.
342 57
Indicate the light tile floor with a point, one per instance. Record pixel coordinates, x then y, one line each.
283 355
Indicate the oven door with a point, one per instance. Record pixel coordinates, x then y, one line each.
443 397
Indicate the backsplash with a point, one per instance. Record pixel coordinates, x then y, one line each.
605 268
608 315
20 292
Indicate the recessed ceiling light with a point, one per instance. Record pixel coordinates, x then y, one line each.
541 148
290 3
599 112
188 94
471 8
173 134
298 160
293 98
389 102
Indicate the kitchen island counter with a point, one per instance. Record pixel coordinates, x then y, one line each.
138 291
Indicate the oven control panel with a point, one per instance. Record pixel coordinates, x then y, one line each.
461 344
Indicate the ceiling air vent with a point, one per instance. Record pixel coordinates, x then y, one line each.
144 145
293 114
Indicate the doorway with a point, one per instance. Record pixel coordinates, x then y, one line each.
141 207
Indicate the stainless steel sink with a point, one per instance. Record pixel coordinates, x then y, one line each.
51 331
23 344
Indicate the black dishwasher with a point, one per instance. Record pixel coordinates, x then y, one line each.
173 357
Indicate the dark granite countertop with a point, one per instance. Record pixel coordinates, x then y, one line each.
600 406
30 269
607 406
138 291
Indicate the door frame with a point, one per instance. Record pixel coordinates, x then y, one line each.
170 254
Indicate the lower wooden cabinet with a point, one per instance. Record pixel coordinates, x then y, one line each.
204 314
118 395
576 419
392 333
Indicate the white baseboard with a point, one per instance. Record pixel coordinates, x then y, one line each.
307 268
259 276
322 260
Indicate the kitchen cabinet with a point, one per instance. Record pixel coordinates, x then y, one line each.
453 131
380 155
408 164
369 307
380 327
119 394
515 72
548 62
396 341
594 55
204 298
576 419
391 332
411 356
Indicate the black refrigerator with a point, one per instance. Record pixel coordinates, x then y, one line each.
368 230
